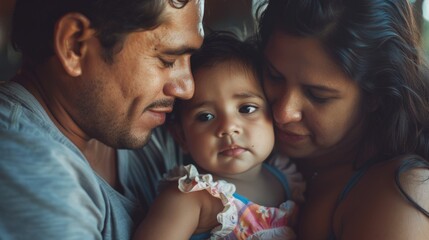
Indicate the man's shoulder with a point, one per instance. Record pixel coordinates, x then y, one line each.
37 155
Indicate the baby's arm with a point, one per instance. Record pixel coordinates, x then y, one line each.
174 215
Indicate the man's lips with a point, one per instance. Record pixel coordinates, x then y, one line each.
161 106
159 114
161 110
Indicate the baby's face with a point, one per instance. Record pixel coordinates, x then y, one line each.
227 126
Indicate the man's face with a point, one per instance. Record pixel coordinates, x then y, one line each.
121 102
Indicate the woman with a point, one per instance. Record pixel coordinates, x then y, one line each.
347 85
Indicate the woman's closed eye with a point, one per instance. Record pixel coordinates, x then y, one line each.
317 97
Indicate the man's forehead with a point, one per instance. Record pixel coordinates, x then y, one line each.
182 24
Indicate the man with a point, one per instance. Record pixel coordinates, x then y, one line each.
97 76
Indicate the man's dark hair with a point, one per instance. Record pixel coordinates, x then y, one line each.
34 21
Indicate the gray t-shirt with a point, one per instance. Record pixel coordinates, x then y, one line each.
49 191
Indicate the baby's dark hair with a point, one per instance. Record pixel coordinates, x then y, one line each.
219 47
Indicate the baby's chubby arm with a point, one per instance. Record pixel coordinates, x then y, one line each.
176 215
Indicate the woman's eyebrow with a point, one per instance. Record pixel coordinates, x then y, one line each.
271 66
317 87
322 88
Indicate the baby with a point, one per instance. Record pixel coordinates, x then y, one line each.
239 188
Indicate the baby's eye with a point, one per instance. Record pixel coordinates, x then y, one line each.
247 109
204 117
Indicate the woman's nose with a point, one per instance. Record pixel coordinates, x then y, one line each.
287 108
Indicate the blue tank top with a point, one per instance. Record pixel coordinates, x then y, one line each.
350 184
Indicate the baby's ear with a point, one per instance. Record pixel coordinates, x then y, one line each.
176 131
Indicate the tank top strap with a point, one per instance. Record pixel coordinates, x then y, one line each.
349 186
281 177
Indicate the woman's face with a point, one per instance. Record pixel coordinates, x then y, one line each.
316 106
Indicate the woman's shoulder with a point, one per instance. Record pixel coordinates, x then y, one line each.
395 180
403 172
389 201
405 177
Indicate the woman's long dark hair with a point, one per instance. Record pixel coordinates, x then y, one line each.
377 44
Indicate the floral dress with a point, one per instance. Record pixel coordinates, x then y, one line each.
241 218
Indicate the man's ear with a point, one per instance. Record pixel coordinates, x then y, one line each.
71 38
176 131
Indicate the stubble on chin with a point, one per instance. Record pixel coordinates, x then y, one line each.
131 141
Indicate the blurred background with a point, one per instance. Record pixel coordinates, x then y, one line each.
232 15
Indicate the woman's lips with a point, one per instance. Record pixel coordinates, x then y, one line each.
290 137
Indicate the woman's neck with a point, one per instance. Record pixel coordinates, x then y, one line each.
350 156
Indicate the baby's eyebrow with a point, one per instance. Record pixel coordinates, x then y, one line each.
190 106
244 95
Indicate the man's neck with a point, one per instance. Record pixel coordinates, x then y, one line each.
103 159
100 157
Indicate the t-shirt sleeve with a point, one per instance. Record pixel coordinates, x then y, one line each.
43 195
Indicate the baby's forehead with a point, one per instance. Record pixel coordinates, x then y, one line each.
227 73
231 66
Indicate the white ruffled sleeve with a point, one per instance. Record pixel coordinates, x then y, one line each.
189 180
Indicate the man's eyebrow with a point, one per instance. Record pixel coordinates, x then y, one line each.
180 51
